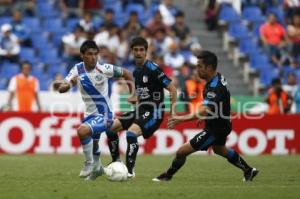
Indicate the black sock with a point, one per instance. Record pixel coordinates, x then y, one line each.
131 152
176 165
96 150
235 159
113 144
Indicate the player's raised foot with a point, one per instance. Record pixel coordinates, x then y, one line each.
249 175
86 170
162 177
95 174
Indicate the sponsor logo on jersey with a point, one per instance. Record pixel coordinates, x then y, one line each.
145 79
211 94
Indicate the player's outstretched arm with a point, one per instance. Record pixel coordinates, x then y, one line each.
130 83
62 86
173 97
172 121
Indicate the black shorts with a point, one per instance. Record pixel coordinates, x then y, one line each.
148 121
203 140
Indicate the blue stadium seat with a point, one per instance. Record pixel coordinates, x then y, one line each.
256 27
228 14
46 10
56 68
258 61
267 74
252 14
4 20
32 23
27 54
71 23
54 25
3 83
238 31
248 46
8 70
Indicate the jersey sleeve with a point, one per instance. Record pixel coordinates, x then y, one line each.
161 77
73 73
111 70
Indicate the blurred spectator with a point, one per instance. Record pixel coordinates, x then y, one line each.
108 19
71 8
173 58
297 100
25 87
195 88
181 30
293 31
20 29
291 8
195 49
5 7
108 38
123 49
168 11
275 40
9 45
26 7
133 27
71 44
291 87
92 6
162 41
105 56
87 22
279 101
156 24
211 14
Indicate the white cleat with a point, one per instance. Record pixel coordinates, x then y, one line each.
95 174
86 170
131 175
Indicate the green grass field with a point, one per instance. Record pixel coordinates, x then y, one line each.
56 176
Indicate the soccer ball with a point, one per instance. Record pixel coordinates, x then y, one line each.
116 171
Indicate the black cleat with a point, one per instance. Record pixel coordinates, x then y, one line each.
162 177
249 175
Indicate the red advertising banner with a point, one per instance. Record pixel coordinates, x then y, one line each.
42 133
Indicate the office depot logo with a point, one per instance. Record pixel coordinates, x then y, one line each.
45 134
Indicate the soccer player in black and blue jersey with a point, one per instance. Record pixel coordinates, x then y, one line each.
216 113
150 82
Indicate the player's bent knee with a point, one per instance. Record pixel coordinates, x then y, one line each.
83 131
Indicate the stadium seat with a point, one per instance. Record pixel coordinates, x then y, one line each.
258 61
71 23
238 31
252 14
248 45
8 70
54 25
46 10
4 20
27 54
267 74
228 15
32 23
3 83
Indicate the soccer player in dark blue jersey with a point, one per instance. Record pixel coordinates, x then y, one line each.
216 113
150 82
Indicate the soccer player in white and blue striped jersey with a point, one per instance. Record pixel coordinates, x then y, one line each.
92 80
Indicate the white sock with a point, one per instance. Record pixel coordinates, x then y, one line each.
88 151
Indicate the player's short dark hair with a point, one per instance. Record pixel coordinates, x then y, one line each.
87 45
139 41
23 63
209 58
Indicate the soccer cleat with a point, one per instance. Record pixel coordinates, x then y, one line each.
95 174
130 175
249 175
86 170
162 177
